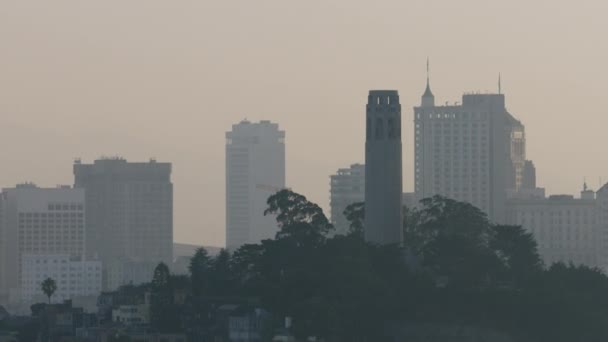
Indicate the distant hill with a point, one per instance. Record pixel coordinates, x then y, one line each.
182 249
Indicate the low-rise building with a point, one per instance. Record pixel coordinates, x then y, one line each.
133 314
247 324
73 277
567 229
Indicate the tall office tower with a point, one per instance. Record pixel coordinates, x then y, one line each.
473 152
383 168
255 169
347 186
129 217
38 221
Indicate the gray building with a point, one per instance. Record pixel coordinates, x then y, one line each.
255 169
347 186
37 221
602 217
383 168
472 152
129 217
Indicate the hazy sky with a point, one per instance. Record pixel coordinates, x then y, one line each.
166 79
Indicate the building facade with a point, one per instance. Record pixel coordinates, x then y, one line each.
255 170
472 152
74 277
38 221
383 168
129 217
566 229
602 218
347 186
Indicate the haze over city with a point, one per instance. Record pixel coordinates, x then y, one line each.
166 80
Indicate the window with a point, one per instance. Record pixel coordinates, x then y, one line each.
391 129
379 129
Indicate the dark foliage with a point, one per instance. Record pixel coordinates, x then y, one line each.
455 268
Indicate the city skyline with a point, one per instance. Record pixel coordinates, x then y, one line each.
149 102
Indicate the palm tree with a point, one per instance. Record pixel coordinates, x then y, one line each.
49 287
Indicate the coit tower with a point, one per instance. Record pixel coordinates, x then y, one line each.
383 177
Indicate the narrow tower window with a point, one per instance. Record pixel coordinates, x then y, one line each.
379 129
391 128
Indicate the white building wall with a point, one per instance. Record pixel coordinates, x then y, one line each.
39 221
567 229
74 277
255 169
472 152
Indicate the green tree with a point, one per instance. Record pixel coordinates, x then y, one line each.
200 268
49 286
518 253
298 219
161 276
164 313
355 214
221 278
452 240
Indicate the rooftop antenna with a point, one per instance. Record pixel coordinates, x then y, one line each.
585 183
427 71
499 85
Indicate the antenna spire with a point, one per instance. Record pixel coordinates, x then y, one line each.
499 85
427 71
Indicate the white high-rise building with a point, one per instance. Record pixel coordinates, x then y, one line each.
347 186
255 169
472 152
38 221
74 277
383 168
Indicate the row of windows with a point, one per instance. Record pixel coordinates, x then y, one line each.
393 129
462 116
65 206
35 216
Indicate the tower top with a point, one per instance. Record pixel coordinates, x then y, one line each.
428 99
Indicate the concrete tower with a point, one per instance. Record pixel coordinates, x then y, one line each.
383 177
